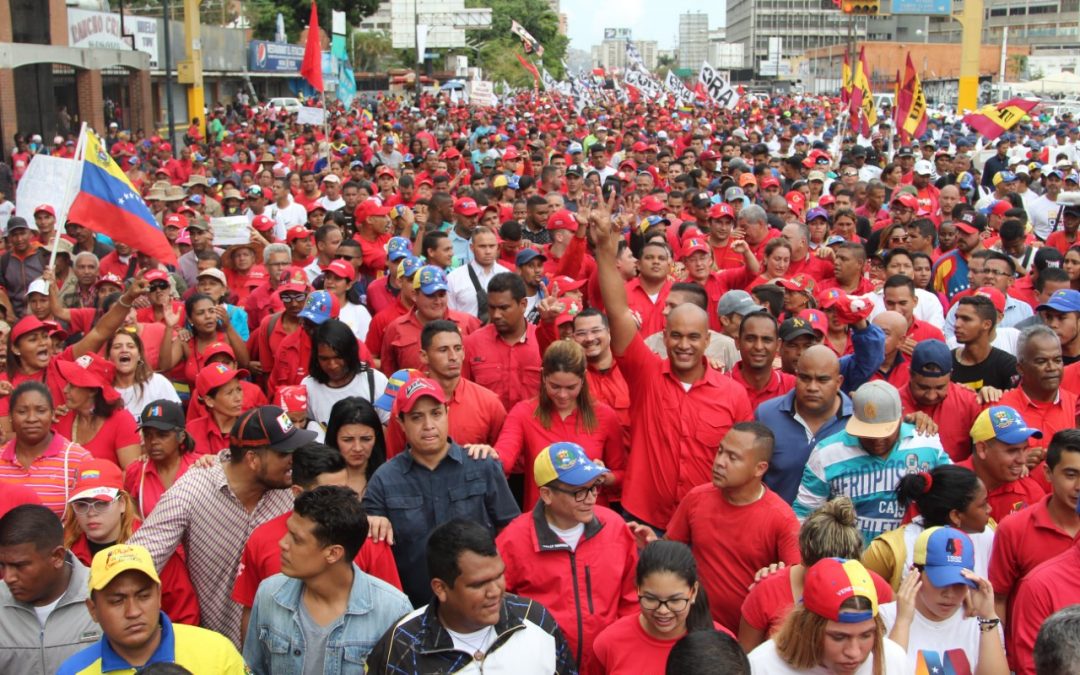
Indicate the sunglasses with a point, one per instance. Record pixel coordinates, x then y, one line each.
292 297
159 286
342 256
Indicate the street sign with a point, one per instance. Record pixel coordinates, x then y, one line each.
921 7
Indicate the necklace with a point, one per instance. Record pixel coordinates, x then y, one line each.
478 647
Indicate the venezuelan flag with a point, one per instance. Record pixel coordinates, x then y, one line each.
108 203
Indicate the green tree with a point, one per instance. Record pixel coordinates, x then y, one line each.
371 52
497 45
263 15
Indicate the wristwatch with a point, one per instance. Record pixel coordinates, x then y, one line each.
987 625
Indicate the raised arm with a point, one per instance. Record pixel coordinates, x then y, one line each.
612 287
113 319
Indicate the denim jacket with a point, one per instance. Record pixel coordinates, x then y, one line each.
275 641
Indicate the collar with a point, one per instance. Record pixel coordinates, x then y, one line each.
54 448
288 596
165 653
1038 404
455 453
432 637
547 540
896 363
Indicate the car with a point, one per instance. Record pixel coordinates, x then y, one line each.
291 105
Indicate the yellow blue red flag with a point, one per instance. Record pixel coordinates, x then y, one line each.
108 203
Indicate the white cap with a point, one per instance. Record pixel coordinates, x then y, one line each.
923 167
38 286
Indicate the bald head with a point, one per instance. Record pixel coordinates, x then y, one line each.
818 358
817 382
689 315
895 327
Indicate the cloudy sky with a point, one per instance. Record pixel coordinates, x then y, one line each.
648 19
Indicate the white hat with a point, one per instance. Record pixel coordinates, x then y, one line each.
923 167
39 286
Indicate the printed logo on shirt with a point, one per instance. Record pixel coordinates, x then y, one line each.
952 662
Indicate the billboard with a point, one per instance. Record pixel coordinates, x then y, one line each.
274 57
617 34
101 30
921 7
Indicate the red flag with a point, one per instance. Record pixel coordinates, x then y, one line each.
995 119
845 81
311 68
529 67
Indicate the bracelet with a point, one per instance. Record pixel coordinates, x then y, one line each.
987 625
124 304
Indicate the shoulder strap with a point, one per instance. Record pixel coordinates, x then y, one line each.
371 384
272 323
481 295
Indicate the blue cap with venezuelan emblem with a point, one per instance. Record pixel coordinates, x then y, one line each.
944 553
430 280
1003 423
565 462
398 248
398 379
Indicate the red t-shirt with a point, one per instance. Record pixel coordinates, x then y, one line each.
374 255
262 559
920 330
118 431
728 550
1053 585
1010 497
624 648
779 384
954 417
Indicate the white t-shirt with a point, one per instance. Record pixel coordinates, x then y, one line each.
44 611
949 646
765 661
286 217
461 295
157 387
357 318
571 536
321 398
928 310
332 204
1043 214
476 641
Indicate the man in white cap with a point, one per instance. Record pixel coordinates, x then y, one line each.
866 460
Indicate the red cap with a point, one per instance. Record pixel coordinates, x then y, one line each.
176 220
908 200
216 349
92 371
297 232
293 398
562 220
999 208
652 204
109 278
315 206
156 275
27 324
511 153
416 389
826 200
721 210
466 206
46 208
99 479
692 245
800 283
384 170
256 276
816 318
996 297
796 201
565 284
263 223
371 207
769 181
642 146
295 280
214 376
340 268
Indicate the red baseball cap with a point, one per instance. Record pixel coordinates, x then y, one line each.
800 283
371 207
175 220
297 232
263 223
721 210
92 371
652 204
565 284
796 201
295 280
315 206
996 297
98 479
293 398
562 220
692 245
908 200
414 390
256 276
340 268
998 209
466 206
156 275
217 349
826 200
511 153
109 278
46 208
384 170
769 181
215 375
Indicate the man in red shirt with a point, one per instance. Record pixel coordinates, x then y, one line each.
647 292
681 408
899 296
759 341
313 465
755 226
1000 445
736 525
372 223
264 300
1041 531
803 260
606 383
849 262
930 390
721 225
401 342
1039 398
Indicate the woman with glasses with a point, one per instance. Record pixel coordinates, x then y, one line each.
672 603
161 298
893 236
563 411
266 339
100 514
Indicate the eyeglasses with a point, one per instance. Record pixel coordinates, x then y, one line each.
899 237
159 286
581 494
292 297
96 505
675 605
342 256
996 273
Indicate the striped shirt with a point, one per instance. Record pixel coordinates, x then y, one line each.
201 512
839 467
51 475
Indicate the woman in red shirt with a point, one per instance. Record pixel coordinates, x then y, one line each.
829 532
673 603
96 417
777 261
218 388
168 454
562 412
208 324
101 514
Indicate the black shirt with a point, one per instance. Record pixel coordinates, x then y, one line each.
998 370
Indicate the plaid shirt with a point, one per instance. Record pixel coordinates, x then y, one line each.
201 512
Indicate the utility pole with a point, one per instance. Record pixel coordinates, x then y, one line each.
971 20
189 71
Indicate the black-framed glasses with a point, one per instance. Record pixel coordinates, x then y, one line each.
96 506
343 256
674 605
580 494
293 297
159 286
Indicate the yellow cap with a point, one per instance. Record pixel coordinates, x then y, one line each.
115 560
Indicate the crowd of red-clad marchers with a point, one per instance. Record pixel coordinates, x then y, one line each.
439 389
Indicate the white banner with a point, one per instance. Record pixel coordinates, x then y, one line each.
716 87
648 86
48 180
482 94
231 230
549 82
309 115
674 84
101 30
634 56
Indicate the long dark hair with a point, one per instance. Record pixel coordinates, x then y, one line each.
341 339
356 410
936 493
189 306
676 558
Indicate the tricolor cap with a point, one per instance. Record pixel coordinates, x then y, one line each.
1004 177
163 415
876 410
565 462
320 307
398 248
111 562
416 389
692 245
816 318
1004 424
430 280
393 385
98 479
830 582
944 553
409 266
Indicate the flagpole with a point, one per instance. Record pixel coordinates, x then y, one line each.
68 196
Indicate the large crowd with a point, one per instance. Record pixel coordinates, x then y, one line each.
527 389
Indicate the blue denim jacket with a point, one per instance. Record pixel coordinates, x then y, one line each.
275 642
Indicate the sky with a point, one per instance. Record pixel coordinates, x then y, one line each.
647 19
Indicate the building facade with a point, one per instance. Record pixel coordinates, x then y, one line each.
801 25
611 54
693 39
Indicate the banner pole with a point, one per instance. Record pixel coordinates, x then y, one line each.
79 147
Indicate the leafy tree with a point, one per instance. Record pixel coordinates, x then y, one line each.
297 13
497 45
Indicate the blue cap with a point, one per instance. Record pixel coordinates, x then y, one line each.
931 358
944 553
527 255
318 308
1065 300
817 212
409 266
398 248
1004 424
430 280
566 463
835 239
513 181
